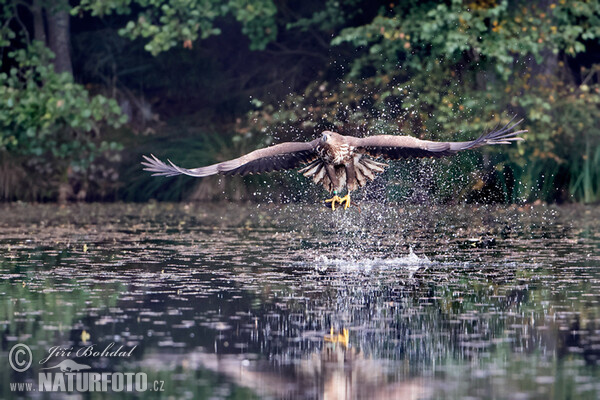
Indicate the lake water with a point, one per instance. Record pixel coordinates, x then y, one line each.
295 301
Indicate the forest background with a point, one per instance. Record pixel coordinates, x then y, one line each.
88 86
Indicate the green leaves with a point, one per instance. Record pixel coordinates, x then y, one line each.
45 114
439 68
167 24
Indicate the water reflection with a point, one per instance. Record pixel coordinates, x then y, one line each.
232 302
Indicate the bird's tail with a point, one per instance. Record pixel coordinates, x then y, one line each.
365 170
317 172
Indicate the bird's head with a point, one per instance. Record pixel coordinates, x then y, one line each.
328 136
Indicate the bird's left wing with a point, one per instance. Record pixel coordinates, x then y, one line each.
274 158
396 147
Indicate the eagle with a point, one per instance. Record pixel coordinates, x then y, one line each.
337 161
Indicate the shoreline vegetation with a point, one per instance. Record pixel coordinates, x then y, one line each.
87 87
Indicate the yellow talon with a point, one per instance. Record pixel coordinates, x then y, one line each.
333 200
346 199
340 200
342 338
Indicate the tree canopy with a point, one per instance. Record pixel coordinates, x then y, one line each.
247 69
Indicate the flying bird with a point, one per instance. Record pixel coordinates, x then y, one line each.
336 161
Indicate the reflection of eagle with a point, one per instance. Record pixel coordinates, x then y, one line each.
334 160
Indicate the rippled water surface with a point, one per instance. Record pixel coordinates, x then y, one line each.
291 301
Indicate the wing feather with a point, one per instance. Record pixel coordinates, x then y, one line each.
396 147
278 157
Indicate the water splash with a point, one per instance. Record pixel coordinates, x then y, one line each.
410 263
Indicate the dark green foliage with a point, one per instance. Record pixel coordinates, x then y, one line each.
437 70
172 23
49 125
42 111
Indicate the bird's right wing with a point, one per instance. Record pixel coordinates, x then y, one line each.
396 147
274 158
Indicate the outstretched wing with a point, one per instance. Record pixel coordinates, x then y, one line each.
395 147
279 157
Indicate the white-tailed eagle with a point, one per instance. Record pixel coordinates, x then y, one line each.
336 161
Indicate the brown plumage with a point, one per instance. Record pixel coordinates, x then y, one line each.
334 160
